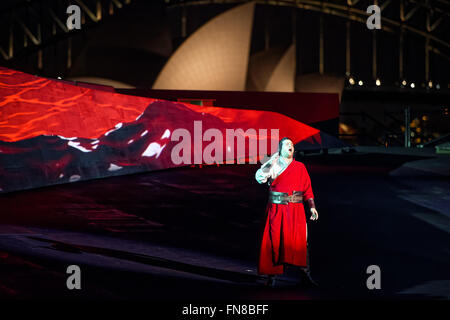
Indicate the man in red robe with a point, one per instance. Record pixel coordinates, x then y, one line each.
285 234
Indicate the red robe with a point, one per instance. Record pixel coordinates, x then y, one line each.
284 238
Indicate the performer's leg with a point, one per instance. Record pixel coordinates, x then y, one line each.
266 264
307 270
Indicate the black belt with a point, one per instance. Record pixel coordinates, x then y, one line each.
285 198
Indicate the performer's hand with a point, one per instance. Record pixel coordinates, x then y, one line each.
314 214
261 177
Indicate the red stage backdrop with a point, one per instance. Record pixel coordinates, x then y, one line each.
54 132
319 110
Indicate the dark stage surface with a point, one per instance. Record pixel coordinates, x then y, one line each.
193 233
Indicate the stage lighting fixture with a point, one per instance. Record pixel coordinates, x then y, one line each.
413 85
404 83
378 82
430 84
351 81
360 82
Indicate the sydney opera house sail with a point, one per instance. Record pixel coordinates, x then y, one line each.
215 57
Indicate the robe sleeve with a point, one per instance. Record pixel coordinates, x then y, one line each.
306 183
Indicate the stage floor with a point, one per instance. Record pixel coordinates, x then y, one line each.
193 233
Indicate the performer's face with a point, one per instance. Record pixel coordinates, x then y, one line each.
287 149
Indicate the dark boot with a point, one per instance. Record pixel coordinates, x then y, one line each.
306 279
270 280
